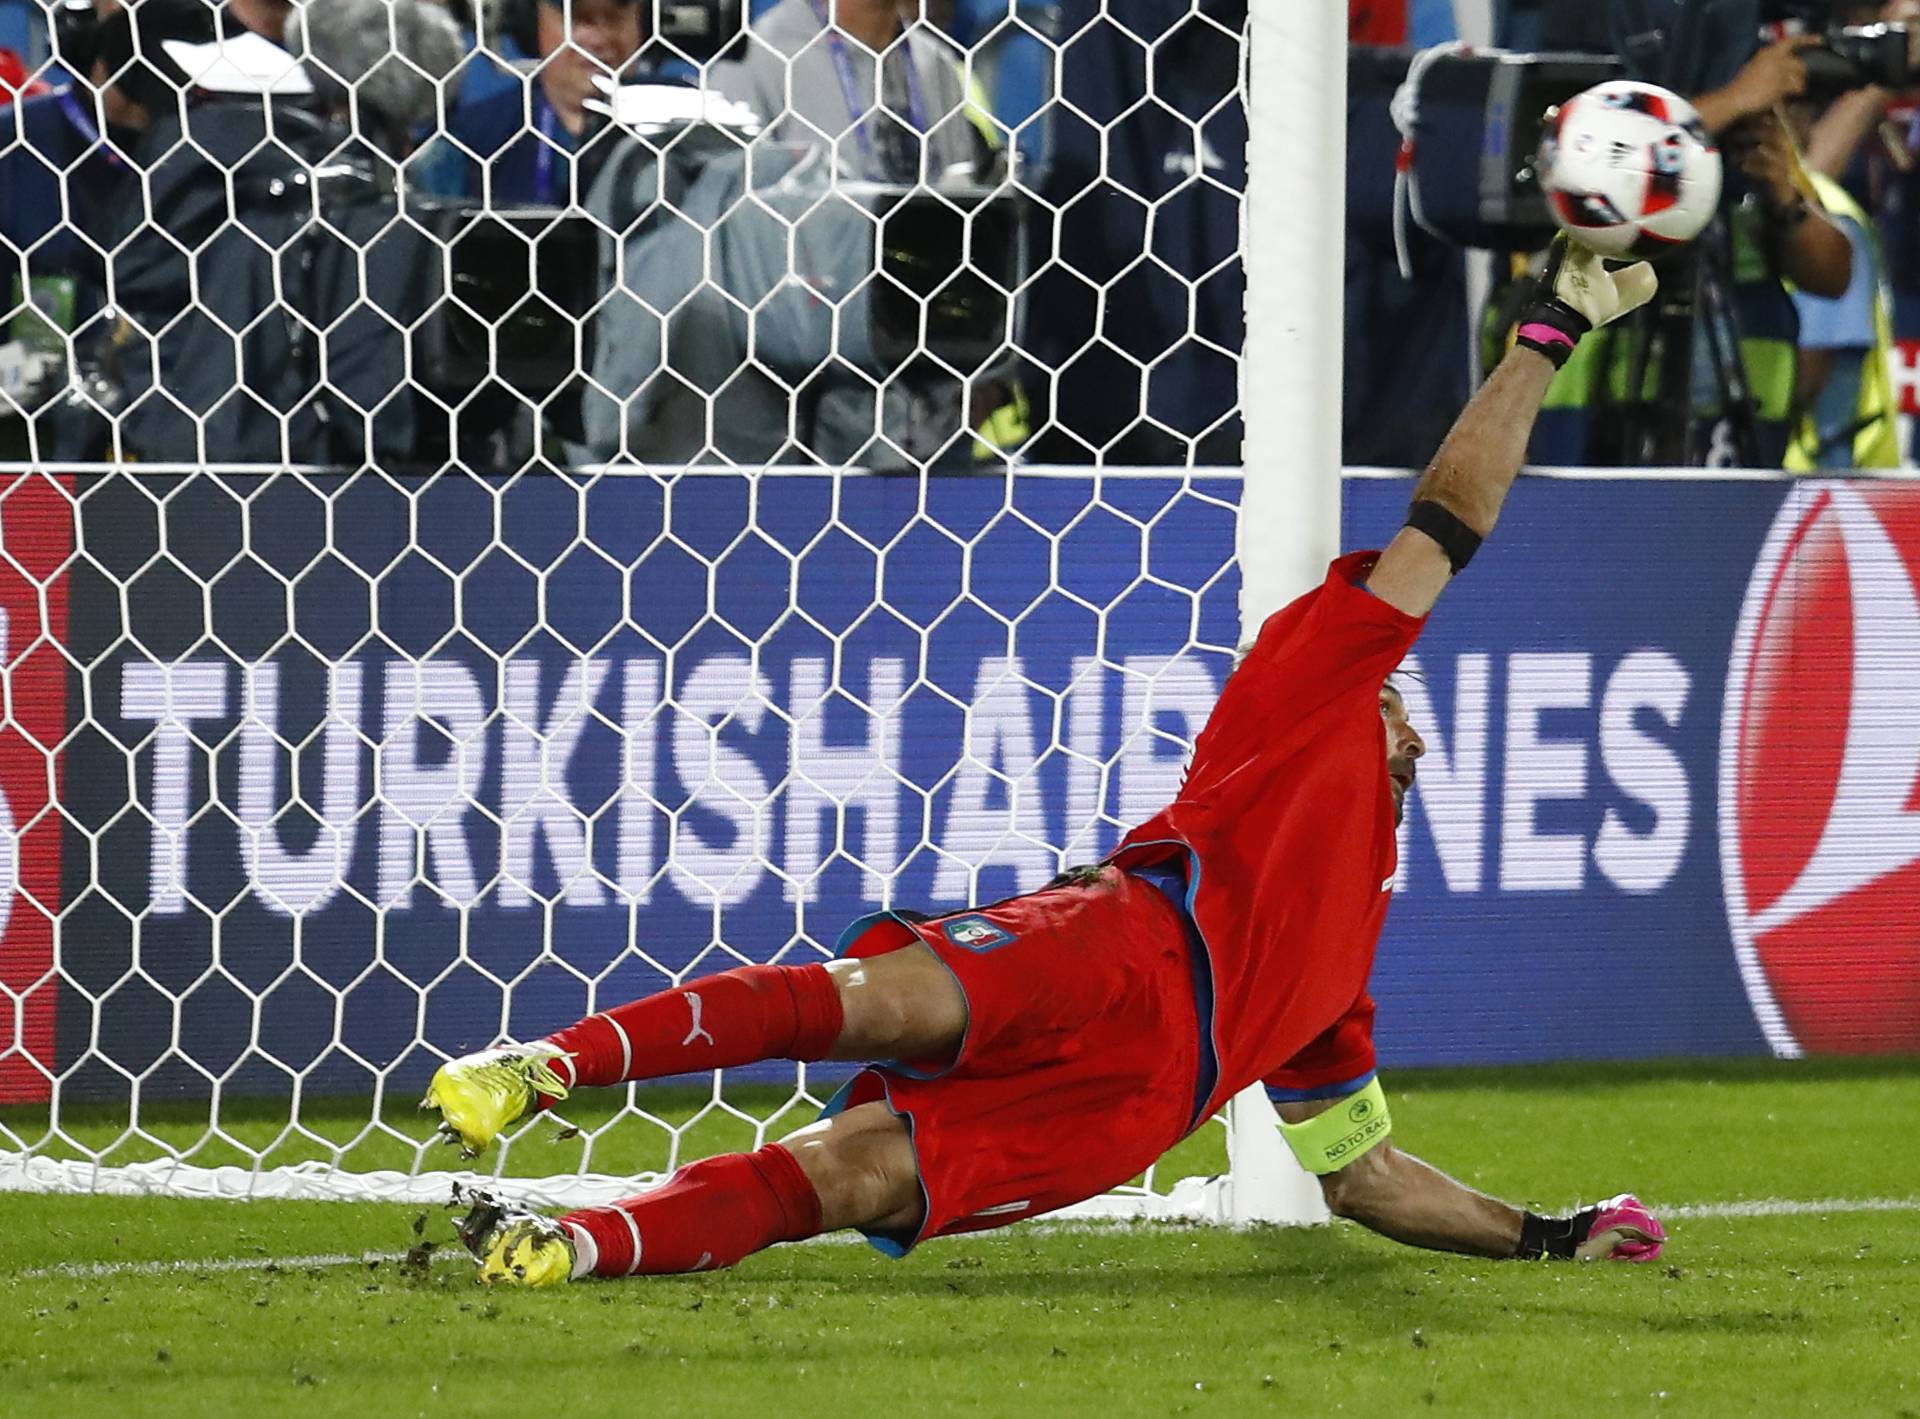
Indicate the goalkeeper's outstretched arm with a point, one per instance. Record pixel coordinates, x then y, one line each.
1395 1194
1458 500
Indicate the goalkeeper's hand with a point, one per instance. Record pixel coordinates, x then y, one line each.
1619 1229
1622 1229
1576 294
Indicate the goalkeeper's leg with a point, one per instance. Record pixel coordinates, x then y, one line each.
901 1005
855 1169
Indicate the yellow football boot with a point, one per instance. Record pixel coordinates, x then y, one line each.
515 1247
480 1095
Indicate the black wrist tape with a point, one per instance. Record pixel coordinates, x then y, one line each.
1456 539
1558 1237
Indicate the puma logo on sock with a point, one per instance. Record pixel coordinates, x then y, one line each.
696 1033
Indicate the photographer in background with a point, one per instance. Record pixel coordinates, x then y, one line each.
524 143
65 156
866 75
1748 116
1780 241
820 277
1137 360
67 162
262 290
1845 412
887 92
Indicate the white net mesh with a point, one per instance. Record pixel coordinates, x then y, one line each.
471 558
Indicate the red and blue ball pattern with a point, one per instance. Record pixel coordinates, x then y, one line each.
1629 170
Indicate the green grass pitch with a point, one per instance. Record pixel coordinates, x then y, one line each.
1809 1312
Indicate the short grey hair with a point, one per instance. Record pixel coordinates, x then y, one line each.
386 54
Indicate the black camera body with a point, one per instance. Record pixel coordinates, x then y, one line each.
1476 140
697 30
1852 56
1848 56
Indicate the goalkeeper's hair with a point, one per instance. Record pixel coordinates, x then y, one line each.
385 54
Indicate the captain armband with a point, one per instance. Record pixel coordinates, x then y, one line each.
1456 539
1330 1140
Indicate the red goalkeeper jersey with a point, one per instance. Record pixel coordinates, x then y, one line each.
1286 822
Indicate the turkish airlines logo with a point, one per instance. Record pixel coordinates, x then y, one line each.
1820 774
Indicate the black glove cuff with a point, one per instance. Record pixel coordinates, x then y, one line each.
1553 328
1547 323
1558 1237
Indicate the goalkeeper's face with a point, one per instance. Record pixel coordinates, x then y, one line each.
1404 747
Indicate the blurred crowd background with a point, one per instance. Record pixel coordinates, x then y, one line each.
895 233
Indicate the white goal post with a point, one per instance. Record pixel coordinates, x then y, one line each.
1291 388
351 726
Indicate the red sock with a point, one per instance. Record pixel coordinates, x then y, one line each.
737 1017
707 1215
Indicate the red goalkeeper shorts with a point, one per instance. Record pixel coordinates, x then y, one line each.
1080 1061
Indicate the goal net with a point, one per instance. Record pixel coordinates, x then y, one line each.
457 577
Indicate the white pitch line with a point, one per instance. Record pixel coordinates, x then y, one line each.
101 1270
1789 1207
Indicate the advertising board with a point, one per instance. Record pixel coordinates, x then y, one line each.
348 767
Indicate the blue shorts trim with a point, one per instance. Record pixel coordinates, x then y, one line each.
1179 879
886 1243
1323 1091
861 926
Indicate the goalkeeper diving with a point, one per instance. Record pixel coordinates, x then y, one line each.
1045 1049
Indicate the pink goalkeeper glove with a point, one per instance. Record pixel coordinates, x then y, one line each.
1620 1229
1623 1230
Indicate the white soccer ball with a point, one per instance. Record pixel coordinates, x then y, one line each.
1629 169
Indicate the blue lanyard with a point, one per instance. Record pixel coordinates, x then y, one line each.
543 151
857 108
89 131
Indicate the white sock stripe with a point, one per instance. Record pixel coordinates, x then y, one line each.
573 1074
634 1227
586 1251
626 1046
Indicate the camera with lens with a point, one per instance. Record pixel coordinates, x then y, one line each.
695 30
1469 130
1472 118
1849 56
698 29
1852 56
